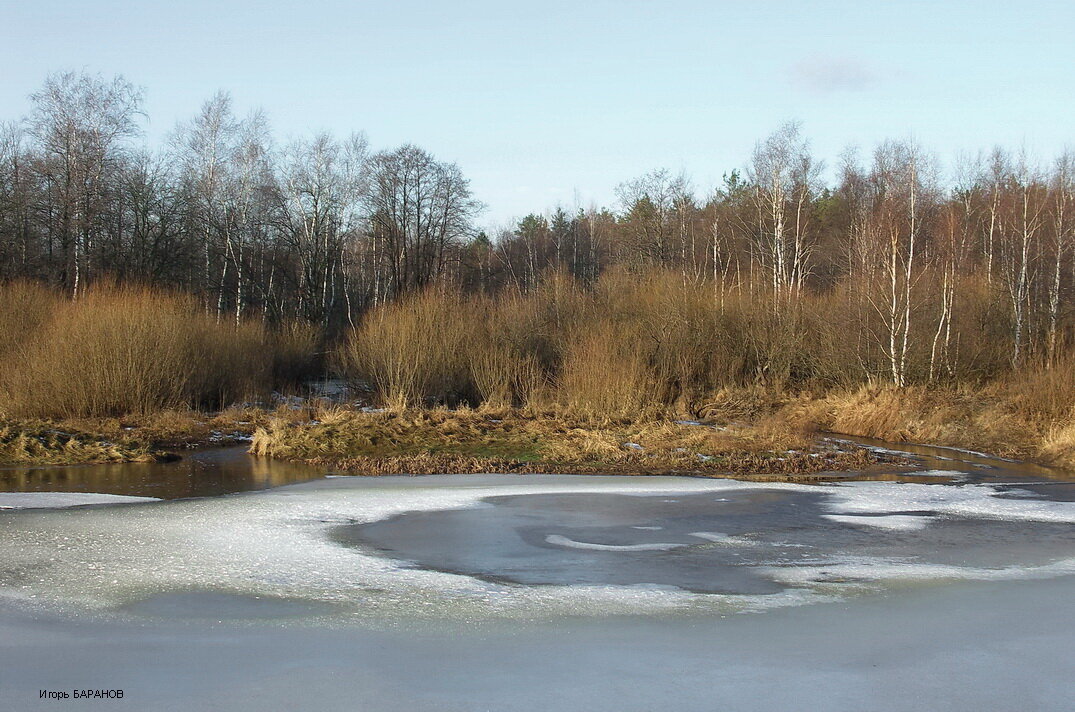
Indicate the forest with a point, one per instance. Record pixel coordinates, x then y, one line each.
893 290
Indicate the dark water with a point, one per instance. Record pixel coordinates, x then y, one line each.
730 542
225 470
200 473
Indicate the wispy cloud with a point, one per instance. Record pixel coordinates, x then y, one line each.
829 75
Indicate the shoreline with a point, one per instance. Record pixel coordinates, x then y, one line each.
361 441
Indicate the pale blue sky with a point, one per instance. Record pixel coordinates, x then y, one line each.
546 103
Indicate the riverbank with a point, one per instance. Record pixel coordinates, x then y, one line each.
464 441
749 433
156 437
1029 420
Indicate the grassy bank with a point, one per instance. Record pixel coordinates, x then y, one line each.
562 376
1026 418
41 443
509 440
127 373
160 435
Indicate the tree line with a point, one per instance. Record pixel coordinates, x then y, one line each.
324 228
316 228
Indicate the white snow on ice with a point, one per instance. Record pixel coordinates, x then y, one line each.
277 543
970 500
61 500
722 538
905 522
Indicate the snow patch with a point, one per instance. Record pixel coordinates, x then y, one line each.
902 522
969 500
868 570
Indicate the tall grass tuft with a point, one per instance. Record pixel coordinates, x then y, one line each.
411 351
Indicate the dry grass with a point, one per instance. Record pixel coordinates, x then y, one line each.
1027 416
468 441
37 442
134 437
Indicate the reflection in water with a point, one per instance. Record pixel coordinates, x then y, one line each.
201 473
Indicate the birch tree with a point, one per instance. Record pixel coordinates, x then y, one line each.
420 209
785 177
80 123
901 183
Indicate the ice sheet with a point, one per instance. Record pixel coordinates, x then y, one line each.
277 543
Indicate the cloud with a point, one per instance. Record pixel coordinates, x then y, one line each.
829 75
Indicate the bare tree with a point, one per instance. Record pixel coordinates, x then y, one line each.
319 194
419 209
649 204
902 183
17 190
202 148
1063 232
1023 217
80 122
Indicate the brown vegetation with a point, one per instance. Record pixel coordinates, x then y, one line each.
1026 416
118 351
37 442
125 371
469 441
652 347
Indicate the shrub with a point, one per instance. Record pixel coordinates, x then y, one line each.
410 351
121 350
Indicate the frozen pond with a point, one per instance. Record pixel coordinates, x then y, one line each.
551 592
745 541
519 546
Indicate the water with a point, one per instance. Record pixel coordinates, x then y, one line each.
740 542
200 473
524 546
953 584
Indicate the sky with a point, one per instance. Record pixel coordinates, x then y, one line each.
546 104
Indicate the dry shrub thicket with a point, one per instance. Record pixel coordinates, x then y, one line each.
633 344
630 347
132 350
656 345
